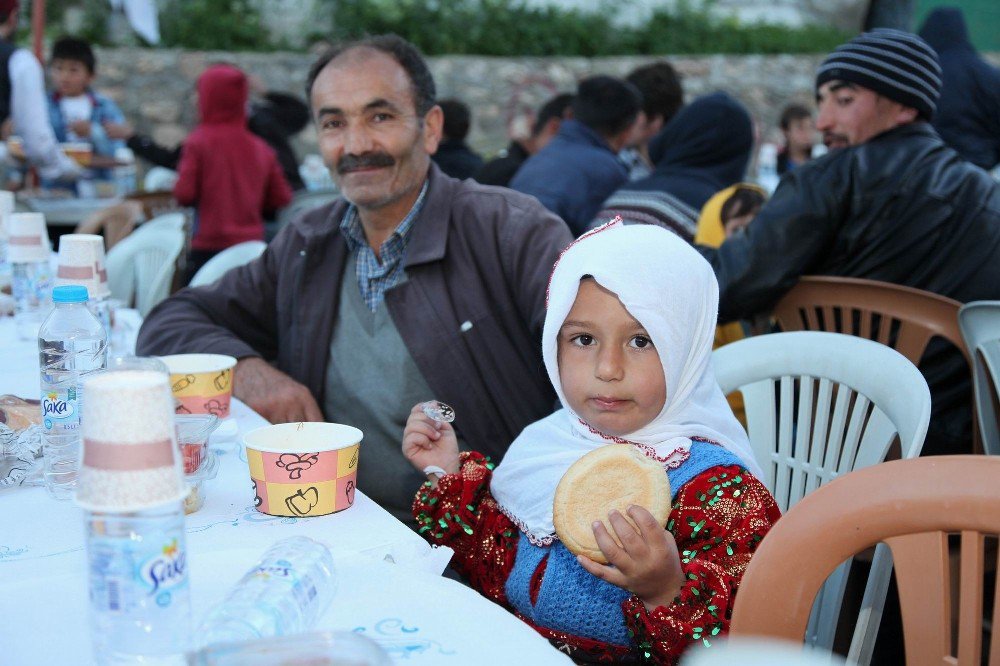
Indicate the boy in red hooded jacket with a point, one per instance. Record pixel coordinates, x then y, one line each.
231 176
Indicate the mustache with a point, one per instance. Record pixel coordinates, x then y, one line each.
366 161
834 139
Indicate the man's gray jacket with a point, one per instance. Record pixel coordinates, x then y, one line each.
470 311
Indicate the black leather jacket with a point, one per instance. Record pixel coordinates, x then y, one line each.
903 208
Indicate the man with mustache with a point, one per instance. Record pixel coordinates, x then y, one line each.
412 286
895 204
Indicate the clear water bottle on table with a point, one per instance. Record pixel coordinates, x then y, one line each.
284 593
72 343
140 604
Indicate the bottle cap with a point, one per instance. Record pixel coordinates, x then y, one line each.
70 293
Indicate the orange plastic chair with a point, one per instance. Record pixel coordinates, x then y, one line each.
900 317
910 505
115 222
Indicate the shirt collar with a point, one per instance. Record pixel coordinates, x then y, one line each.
353 232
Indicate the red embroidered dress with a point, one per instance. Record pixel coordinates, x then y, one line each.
717 520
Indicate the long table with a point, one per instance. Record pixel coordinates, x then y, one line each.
418 617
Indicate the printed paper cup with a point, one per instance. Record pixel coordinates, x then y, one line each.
81 261
303 469
201 383
130 455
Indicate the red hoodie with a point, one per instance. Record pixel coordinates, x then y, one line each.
230 175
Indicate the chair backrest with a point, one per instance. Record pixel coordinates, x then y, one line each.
231 257
143 265
174 220
820 404
980 324
154 203
114 222
903 318
910 505
159 179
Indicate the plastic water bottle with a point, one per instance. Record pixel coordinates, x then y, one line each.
282 594
767 167
72 342
7 205
125 174
140 604
314 173
32 287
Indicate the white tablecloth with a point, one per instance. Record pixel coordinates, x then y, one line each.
419 618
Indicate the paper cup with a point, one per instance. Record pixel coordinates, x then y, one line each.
79 151
201 383
28 239
81 261
303 469
130 456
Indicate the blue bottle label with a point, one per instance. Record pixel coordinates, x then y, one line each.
126 575
60 409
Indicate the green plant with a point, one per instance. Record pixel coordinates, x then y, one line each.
501 28
218 25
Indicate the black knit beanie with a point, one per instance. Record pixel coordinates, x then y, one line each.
895 64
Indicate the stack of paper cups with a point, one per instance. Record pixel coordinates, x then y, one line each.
28 239
130 456
81 261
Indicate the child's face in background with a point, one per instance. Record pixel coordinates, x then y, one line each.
610 372
738 223
70 77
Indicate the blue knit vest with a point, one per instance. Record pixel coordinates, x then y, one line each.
570 599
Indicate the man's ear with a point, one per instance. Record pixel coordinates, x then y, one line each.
906 115
433 123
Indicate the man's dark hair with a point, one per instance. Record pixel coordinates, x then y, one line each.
457 119
660 86
791 113
400 50
606 105
554 108
78 50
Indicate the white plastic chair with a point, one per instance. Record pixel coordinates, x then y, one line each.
142 265
820 405
173 221
231 257
980 324
159 179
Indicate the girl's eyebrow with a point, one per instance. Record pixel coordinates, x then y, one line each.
571 323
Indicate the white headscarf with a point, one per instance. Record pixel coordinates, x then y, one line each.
671 290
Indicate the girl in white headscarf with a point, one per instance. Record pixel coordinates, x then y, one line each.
627 344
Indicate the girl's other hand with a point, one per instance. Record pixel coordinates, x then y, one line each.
428 442
646 564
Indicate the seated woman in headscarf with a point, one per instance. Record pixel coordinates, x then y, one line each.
703 149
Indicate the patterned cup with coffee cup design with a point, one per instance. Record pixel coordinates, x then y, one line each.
201 383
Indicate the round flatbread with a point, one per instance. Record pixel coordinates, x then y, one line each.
611 477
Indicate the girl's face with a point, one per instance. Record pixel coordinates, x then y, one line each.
610 372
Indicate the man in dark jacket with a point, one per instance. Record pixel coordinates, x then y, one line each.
413 286
896 205
500 170
579 169
453 155
968 113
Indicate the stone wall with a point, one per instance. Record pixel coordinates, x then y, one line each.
155 87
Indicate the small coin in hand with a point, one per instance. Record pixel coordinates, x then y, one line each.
437 410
